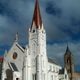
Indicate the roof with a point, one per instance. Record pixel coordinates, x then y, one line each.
37 16
52 61
20 47
14 67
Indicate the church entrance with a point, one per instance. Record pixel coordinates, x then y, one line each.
9 74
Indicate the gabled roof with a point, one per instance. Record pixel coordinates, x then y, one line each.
37 16
21 48
13 66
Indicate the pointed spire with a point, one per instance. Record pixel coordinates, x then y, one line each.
68 50
37 16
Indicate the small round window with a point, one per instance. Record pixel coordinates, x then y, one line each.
15 55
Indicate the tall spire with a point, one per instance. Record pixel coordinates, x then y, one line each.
37 16
68 50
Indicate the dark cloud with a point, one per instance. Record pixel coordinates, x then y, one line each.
66 27
13 18
61 19
75 22
52 9
57 17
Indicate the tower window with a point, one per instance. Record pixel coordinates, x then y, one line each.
67 60
33 31
68 71
50 67
17 78
34 77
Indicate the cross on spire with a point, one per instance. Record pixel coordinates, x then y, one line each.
37 16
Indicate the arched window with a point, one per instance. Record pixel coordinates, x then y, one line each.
17 78
67 60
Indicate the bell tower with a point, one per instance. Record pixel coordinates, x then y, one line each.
68 62
37 34
37 46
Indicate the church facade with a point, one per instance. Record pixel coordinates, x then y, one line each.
32 62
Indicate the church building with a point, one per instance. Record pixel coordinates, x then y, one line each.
32 62
70 66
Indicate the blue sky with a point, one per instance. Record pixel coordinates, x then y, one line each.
61 19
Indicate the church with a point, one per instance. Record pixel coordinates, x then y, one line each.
32 62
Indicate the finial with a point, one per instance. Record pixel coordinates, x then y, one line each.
16 38
67 48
